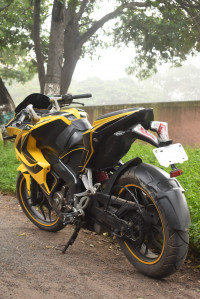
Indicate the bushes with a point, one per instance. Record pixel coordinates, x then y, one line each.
190 180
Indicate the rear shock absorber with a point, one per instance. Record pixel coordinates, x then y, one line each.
102 176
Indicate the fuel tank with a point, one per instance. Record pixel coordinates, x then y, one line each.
61 131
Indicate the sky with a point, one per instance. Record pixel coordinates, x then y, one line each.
112 64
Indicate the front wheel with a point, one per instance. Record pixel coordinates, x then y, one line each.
150 245
38 209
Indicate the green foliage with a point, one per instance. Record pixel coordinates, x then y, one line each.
162 32
17 58
190 181
8 167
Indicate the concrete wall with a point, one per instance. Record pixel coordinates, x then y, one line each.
183 118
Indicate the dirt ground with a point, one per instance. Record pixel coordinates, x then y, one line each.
94 267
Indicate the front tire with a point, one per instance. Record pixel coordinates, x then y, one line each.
40 213
152 246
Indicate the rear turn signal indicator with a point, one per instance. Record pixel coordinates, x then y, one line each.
175 173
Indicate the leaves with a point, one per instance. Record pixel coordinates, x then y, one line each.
17 58
21 235
161 33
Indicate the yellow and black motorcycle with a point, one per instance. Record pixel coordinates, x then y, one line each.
71 173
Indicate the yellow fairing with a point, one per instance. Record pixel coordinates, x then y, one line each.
27 176
30 155
37 166
13 131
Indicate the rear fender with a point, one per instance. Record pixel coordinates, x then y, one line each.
168 193
27 177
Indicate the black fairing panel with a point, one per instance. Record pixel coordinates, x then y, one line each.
109 152
117 112
73 159
58 137
109 147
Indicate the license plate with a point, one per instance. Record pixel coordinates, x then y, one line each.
170 154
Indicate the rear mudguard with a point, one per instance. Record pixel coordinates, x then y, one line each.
167 192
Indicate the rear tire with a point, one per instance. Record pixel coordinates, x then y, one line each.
40 214
153 248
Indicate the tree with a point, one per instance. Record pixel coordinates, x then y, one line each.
160 30
14 61
71 28
167 31
17 37
6 102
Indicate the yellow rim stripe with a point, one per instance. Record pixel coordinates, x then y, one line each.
153 262
20 188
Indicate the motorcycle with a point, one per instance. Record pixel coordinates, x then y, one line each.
71 173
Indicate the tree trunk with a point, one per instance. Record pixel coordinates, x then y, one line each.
6 102
72 53
55 56
37 44
67 72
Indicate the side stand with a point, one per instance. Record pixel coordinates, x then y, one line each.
72 239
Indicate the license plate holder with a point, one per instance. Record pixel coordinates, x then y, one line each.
171 154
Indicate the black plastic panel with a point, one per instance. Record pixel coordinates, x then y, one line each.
117 112
57 137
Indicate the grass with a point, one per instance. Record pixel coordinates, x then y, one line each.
8 167
190 180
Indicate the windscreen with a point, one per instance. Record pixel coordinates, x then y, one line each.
38 100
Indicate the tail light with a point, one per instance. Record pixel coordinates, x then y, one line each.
175 173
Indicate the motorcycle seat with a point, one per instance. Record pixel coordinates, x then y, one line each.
117 112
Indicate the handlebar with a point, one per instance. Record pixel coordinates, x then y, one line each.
63 99
21 118
68 98
80 96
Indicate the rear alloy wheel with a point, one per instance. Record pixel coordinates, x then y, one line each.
150 245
